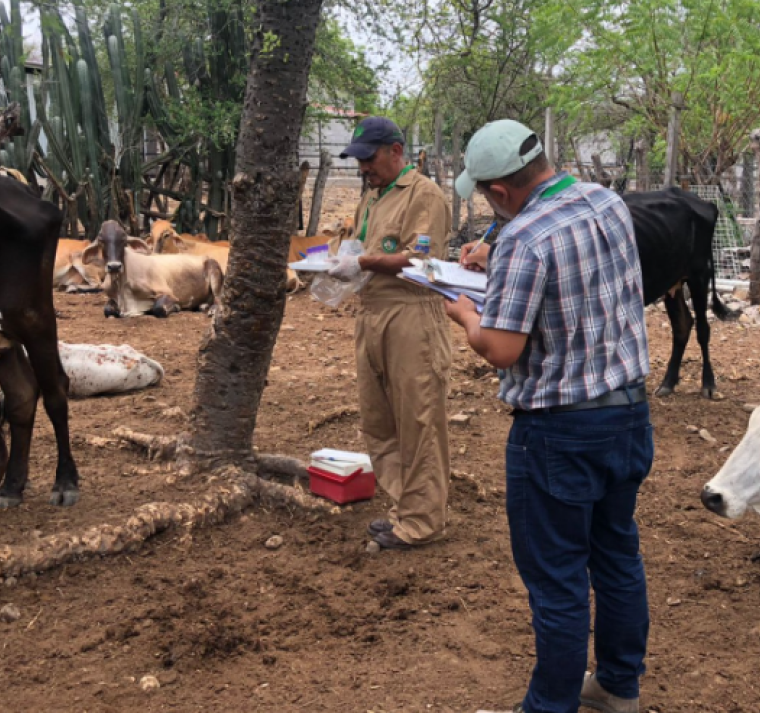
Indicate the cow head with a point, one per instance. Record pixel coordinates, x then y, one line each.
110 246
736 487
170 242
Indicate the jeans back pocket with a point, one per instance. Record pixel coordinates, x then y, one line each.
577 468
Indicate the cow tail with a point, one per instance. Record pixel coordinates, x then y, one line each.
719 309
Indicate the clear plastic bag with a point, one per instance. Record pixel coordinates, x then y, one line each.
332 291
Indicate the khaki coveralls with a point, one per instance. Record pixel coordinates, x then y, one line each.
403 359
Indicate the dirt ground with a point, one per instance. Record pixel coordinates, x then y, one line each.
320 625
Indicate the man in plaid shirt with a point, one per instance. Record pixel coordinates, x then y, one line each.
564 321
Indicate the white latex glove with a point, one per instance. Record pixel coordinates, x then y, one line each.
345 267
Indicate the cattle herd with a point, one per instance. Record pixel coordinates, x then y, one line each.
167 272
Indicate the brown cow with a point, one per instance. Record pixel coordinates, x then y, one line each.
70 273
172 244
140 283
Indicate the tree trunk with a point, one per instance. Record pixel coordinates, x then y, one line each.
601 175
582 173
325 161
456 163
439 173
671 158
471 218
236 352
549 143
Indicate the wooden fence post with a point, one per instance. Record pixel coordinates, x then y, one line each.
456 166
642 164
303 175
325 162
671 161
754 255
549 138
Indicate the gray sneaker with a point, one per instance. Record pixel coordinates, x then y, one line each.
594 696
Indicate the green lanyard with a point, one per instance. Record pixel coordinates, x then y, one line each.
558 186
365 220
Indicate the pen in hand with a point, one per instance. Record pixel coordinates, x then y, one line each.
477 245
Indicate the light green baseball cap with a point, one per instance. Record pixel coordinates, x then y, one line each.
493 152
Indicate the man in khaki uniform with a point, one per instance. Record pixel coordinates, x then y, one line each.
403 353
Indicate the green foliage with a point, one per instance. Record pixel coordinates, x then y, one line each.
623 62
482 60
340 73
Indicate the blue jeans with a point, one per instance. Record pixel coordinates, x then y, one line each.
572 482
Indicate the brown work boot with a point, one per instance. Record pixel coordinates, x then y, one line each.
594 696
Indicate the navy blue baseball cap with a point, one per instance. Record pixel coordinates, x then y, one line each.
370 134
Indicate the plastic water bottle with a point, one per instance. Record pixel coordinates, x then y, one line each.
423 244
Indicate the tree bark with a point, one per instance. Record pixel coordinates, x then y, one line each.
325 162
236 352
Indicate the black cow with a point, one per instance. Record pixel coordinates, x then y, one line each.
29 359
674 233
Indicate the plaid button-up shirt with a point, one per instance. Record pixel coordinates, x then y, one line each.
566 272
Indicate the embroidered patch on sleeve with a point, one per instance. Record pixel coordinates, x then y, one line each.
389 245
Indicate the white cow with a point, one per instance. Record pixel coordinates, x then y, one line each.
106 369
736 487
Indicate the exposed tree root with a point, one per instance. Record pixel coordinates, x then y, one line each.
331 416
158 447
237 490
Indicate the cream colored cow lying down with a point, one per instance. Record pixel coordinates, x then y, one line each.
107 369
140 283
95 369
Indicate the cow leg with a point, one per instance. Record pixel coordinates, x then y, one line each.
20 390
3 448
54 385
215 278
681 323
699 295
112 309
3 455
164 306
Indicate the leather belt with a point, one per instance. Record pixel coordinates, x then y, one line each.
626 395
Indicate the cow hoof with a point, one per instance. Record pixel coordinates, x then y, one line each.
66 499
708 393
6 501
664 391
